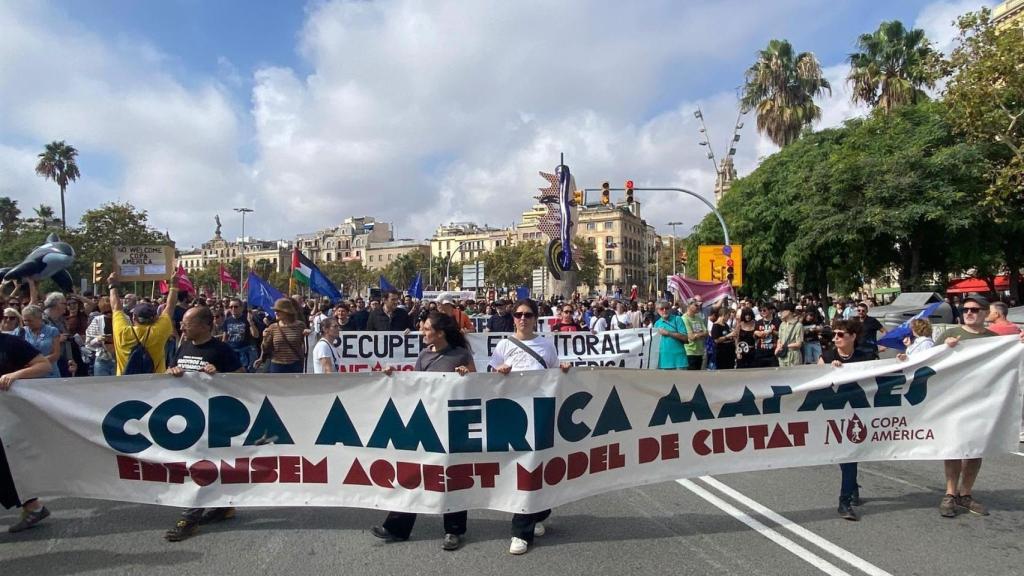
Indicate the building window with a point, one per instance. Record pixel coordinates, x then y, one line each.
328 256
609 255
608 225
608 275
591 226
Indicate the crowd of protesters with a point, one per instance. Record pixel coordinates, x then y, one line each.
70 335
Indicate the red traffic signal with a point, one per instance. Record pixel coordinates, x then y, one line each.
629 184
729 263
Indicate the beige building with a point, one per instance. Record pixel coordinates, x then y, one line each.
345 243
380 254
466 241
276 254
1009 14
624 242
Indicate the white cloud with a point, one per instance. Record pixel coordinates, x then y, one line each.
938 21
417 113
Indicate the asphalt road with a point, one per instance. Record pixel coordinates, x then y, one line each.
771 522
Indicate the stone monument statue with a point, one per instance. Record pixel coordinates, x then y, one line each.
216 219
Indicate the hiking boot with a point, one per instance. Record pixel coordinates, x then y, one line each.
451 542
518 546
217 515
29 519
846 511
855 497
539 529
385 534
947 509
185 528
968 504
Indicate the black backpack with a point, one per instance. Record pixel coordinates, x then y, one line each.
139 360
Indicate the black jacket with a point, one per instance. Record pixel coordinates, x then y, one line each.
380 322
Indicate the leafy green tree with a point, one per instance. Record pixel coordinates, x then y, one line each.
513 265
985 94
893 66
57 162
9 214
781 87
841 206
587 261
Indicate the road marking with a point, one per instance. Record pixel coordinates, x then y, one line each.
1019 453
867 470
837 551
791 546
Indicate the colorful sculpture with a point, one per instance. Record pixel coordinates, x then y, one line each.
559 223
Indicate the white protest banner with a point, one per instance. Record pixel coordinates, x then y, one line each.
375 351
434 442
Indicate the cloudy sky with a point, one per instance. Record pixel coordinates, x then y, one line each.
416 112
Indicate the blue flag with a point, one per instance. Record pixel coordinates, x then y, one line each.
416 289
322 285
262 294
894 338
386 286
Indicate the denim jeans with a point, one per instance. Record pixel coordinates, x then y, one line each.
293 368
104 367
811 351
848 472
246 356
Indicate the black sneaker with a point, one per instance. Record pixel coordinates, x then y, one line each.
185 528
968 504
451 542
947 508
384 534
217 515
846 512
29 519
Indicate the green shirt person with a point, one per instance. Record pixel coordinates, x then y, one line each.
671 350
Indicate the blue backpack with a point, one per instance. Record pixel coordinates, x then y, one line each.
139 360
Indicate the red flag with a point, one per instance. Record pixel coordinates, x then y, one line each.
162 287
226 278
184 284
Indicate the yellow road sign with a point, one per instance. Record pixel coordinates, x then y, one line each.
714 263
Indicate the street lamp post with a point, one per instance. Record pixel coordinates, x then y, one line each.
241 272
674 253
448 265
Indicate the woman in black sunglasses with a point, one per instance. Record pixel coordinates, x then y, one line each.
525 350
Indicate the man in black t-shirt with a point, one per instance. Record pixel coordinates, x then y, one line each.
200 352
18 359
870 328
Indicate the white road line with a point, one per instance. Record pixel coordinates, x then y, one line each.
867 470
1019 453
804 554
837 551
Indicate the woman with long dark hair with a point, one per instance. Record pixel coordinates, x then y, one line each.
445 350
745 340
525 350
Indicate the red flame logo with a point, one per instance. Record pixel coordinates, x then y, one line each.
855 430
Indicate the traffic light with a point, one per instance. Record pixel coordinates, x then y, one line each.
629 191
729 270
97 272
579 198
606 193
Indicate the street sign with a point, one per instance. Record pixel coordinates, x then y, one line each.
714 263
473 276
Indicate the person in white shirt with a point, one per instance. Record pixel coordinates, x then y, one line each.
525 350
325 355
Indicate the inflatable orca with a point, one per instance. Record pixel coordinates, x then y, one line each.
50 260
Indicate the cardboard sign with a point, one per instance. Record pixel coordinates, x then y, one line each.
144 263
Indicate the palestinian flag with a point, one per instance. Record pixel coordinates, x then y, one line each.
302 267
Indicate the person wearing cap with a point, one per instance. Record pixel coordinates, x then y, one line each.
502 321
152 329
791 337
461 319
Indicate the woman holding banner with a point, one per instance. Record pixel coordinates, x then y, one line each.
445 350
845 334
525 350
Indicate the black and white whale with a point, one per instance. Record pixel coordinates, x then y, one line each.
49 260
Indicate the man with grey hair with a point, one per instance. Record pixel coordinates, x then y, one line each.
55 306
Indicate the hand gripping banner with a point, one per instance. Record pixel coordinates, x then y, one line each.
429 442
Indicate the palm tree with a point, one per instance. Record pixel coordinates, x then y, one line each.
892 67
781 87
44 214
9 213
57 163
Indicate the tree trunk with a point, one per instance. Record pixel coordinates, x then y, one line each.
1012 255
63 218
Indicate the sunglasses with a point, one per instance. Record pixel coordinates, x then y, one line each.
10 317
972 310
522 315
840 334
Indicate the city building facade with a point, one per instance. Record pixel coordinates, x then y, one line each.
270 254
378 255
345 243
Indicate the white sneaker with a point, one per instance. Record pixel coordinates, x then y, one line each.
538 529
518 546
